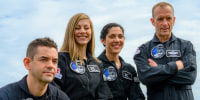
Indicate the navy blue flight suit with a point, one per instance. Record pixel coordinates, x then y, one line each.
165 82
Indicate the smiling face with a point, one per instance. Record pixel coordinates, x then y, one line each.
43 66
114 40
83 32
163 21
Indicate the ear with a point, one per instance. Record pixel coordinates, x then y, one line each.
152 21
27 63
103 42
174 20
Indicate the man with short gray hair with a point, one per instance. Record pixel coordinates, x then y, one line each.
166 64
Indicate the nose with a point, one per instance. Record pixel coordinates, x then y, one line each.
51 64
82 30
164 22
117 39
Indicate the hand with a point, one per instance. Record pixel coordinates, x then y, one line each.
179 64
152 63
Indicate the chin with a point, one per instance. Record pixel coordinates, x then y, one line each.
116 52
83 43
47 79
165 33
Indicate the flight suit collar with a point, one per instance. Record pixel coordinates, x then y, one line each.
103 57
23 85
172 38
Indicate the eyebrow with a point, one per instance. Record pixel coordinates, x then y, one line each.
45 57
117 34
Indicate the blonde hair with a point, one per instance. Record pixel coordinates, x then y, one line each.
162 5
69 45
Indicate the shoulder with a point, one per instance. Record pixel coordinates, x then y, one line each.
94 60
102 56
63 58
146 44
9 90
57 93
63 55
127 66
9 87
143 47
182 40
184 43
130 68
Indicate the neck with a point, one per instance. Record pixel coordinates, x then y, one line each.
163 38
115 58
35 87
82 51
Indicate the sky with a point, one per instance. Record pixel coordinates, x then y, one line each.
21 21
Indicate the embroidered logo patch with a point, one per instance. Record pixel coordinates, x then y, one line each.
137 51
110 74
127 75
77 68
58 74
158 51
93 68
173 53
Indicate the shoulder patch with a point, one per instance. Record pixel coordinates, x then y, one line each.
58 74
137 51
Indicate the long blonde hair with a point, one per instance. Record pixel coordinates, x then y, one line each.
69 45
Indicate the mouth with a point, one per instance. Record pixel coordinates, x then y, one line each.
83 37
165 28
116 46
48 73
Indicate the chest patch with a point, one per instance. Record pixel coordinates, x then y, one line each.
77 68
110 74
158 51
127 75
93 68
173 53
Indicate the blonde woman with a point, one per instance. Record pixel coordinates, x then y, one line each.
80 74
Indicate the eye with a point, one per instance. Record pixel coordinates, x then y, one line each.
87 28
43 60
160 19
55 61
169 18
121 36
77 28
111 36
